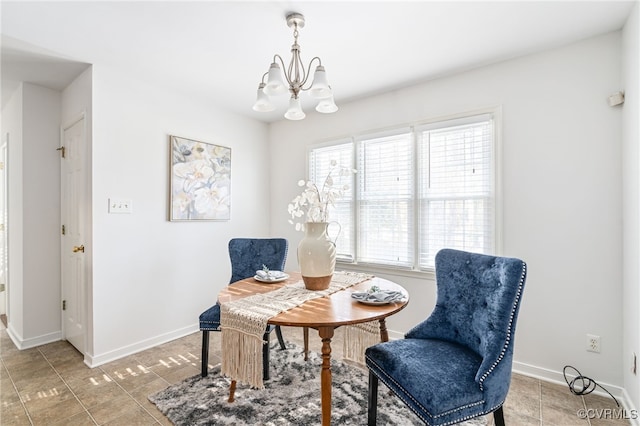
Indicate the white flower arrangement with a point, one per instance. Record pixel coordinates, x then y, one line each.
314 202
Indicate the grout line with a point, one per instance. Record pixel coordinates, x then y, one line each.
540 401
68 387
24 407
151 370
131 396
584 406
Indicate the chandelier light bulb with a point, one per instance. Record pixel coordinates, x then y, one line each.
320 88
263 104
275 85
327 105
295 110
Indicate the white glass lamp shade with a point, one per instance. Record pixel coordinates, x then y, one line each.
320 88
275 85
295 110
263 104
327 105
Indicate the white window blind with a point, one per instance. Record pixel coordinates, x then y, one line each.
320 160
417 190
456 188
385 200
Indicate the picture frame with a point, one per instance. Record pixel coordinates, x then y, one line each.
200 180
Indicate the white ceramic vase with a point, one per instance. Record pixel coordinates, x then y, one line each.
316 256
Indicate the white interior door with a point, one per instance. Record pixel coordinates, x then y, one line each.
74 198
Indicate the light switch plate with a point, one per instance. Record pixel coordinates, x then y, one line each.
120 205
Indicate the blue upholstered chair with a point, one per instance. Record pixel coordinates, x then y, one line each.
456 364
247 255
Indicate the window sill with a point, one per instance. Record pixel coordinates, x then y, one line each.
382 270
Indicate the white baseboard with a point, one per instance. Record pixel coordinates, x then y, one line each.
100 359
627 409
395 335
557 377
631 410
22 343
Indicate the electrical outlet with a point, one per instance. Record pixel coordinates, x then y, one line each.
593 343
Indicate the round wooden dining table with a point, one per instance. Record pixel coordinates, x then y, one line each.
324 314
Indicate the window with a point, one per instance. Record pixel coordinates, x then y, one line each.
418 189
319 166
385 194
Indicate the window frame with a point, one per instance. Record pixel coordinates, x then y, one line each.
415 128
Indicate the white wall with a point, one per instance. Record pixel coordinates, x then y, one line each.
561 190
631 203
34 215
41 210
12 128
152 278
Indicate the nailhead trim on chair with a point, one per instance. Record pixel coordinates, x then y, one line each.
482 378
508 340
422 406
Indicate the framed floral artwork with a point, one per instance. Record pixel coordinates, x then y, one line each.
200 181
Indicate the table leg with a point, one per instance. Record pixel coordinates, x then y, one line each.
384 334
232 391
326 333
305 335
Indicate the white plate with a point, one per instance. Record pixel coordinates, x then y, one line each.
373 302
376 302
275 280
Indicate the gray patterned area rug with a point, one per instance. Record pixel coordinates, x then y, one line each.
290 397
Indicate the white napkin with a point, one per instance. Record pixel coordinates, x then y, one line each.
270 275
379 296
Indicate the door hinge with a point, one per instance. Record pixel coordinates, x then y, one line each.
64 230
64 305
62 150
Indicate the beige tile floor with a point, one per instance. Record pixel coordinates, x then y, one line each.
50 385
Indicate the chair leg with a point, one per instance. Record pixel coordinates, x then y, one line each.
373 399
204 358
498 417
265 356
280 339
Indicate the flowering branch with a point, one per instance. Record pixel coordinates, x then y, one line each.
313 203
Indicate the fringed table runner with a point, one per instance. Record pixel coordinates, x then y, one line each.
244 322
357 338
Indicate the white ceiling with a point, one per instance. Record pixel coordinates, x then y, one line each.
220 49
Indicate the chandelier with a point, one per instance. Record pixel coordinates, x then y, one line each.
296 77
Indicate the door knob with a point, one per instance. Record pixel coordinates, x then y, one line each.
78 249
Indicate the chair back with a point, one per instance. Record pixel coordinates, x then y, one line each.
478 302
248 255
